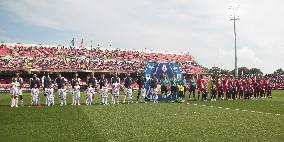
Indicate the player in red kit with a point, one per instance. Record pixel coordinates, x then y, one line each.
198 85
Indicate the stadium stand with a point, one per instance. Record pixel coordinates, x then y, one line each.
41 57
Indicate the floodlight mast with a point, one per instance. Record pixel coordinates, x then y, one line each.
234 16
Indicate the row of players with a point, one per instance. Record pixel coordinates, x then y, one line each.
221 88
61 84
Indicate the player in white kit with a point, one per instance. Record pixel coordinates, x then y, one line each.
34 95
50 95
90 92
115 93
14 93
104 92
76 94
129 95
142 94
62 95
155 95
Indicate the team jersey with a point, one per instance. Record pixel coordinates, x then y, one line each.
115 88
143 92
20 81
102 83
64 90
141 81
46 80
183 82
154 82
192 82
180 88
74 81
59 82
174 82
115 80
34 81
49 92
15 85
90 91
127 82
164 82
104 91
77 88
35 91
93 81
199 83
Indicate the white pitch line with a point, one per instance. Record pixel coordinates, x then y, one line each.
241 110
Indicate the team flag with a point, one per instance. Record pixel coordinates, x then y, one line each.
72 42
81 45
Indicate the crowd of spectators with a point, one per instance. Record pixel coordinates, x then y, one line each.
97 59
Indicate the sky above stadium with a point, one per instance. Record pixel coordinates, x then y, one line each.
200 27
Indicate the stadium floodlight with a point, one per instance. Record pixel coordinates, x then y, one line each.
234 15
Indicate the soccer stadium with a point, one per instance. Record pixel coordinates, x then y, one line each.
74 88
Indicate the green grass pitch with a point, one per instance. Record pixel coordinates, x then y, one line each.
238 120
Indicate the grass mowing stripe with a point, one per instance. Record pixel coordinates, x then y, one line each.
45 124
145 122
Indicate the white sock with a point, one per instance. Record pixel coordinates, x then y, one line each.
16 102
12 102
124 99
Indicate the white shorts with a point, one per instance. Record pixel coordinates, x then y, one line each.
90 95
76 95
35 98
51 98
14 92
63 96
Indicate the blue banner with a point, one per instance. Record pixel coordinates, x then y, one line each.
169 69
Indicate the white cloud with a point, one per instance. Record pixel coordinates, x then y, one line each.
246 57
200 27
